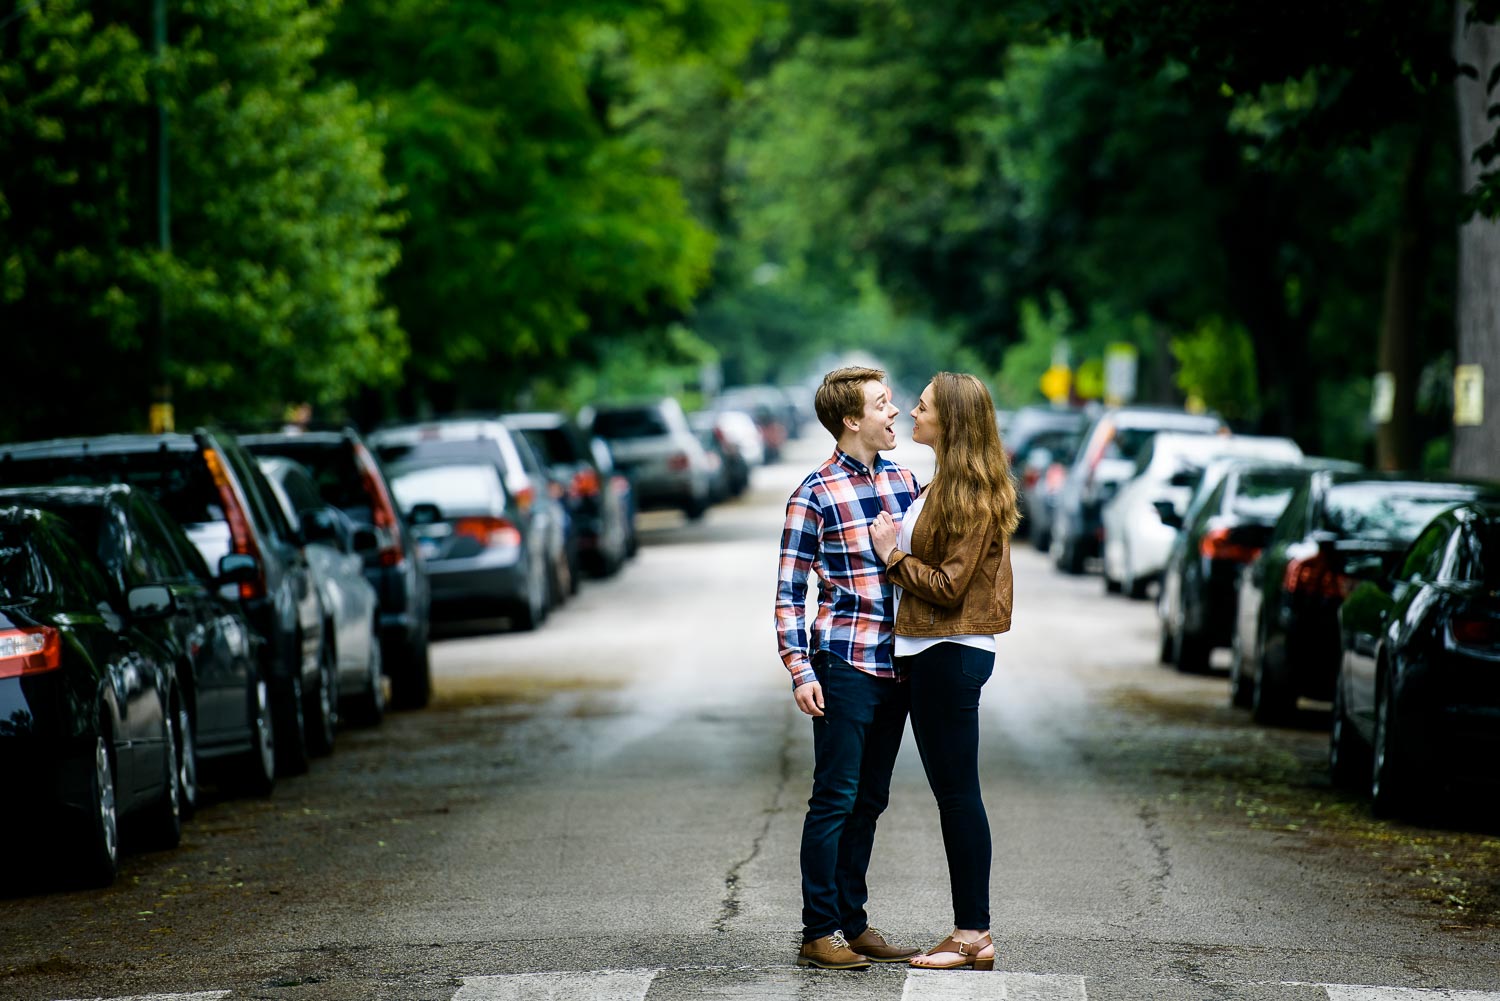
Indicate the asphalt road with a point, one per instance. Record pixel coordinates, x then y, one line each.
610 808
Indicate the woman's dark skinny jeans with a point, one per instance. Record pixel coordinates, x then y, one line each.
945 681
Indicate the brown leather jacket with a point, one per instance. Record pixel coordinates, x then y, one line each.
954 586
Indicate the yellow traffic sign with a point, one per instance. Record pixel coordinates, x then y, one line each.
1056 382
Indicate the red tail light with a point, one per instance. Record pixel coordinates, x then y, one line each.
1056 473
382 509
1217 545
585 483
241 540
1313 577
30 650
1476 631
619 484
525 497
1031 477
678 462
491 533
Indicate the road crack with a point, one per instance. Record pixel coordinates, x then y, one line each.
729 907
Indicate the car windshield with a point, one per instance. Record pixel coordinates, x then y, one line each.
551 444
1386 511
1261 500
642 422
19 577
460 489
333 468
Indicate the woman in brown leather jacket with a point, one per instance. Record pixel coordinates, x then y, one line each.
950 562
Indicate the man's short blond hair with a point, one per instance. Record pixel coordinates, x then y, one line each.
843 395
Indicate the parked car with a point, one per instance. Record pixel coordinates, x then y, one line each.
1226 526
89 740
470 533
596 507
1105 458
734 470
540 516
741 431
621 485
1288 633
653 444
349 477
222 706
1039 481
1140 522
351 627
775 413
1417 699
214 489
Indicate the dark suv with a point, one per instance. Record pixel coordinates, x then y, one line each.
216 491
350 478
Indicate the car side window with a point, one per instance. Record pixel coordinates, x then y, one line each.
1293 521
1425 557
264 507
122 551
163 553
158 525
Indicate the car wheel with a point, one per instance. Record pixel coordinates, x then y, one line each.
1191 653
1392 786
695 508
1112 586
1135 588
1348 761
368 707
187 762
411 681
161 826
325 701
1240 692
1271 699
292 756
256 768
99 860
1166 648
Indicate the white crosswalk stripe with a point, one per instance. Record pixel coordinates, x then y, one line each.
1340 992
933 985
602 985
198 996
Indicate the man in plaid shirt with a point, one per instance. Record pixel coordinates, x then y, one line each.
845 678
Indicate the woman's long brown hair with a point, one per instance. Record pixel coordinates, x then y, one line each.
973 482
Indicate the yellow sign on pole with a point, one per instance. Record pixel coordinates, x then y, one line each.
1468 395
161 418
1056 383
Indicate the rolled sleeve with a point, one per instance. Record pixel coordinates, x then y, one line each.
799 549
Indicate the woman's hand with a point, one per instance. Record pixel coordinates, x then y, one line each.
883 534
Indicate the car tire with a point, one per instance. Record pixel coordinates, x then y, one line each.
1166 648
695 508
324 703
411 681
1191 652
1112 586
1393 791
1241 695
98 861
255 769
1272 699
187 762
161 823
1349 763
292 752
368 707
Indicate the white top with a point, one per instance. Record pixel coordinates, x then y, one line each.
910 646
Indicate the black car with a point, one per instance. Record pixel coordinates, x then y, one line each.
1419 682
1288 632
351 479
215 490
223 711
1227 524
87 733
597 510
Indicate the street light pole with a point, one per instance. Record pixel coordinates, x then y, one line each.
161 417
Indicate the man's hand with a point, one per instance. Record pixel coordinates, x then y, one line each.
809 698
883 535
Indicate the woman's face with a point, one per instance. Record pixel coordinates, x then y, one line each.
925 429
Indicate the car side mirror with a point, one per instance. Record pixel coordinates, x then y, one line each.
1167 512
150 601
238 568
424 514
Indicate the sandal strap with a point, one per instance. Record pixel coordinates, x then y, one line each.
953 945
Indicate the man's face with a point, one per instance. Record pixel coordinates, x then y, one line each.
877 425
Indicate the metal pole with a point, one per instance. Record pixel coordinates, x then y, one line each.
161 417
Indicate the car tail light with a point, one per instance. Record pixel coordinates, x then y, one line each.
678 462
1216 544
1056 474
241 539
491 533
1476 631
29 651
382 509
1031 477
1314 577
585 483
619 484
525 497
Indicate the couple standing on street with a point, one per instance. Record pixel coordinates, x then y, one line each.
913 586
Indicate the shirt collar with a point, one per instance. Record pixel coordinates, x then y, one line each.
853 465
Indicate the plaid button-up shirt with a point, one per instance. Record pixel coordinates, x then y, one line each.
827 526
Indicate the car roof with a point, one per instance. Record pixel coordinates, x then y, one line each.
110 444
323 437
91 496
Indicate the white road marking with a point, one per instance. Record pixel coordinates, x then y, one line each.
968 985
1342 992
599 985
199 996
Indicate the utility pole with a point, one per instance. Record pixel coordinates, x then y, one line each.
161 417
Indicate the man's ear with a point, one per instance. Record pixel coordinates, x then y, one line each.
852 423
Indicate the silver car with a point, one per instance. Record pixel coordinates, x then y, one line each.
653 443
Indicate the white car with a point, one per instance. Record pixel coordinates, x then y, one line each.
1136 539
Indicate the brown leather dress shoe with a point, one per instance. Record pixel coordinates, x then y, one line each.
831 952
872 945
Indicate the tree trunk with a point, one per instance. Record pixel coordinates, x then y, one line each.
1405 283
1476 449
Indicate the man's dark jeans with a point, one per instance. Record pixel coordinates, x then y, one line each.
854 750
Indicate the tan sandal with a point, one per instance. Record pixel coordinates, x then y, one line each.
966 955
